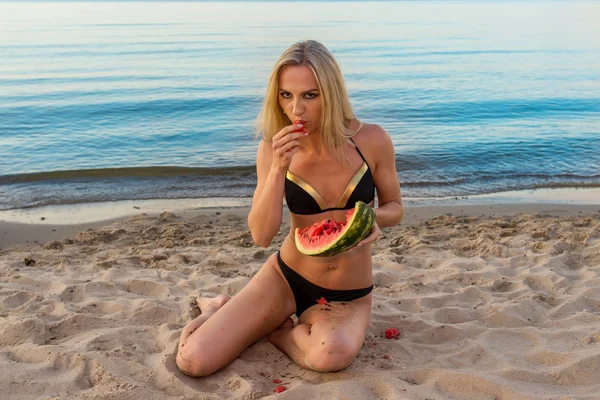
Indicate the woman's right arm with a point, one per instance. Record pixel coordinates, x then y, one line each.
272 162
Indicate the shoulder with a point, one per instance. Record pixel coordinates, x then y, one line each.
264 144
373 141
376 145
264 151
373 132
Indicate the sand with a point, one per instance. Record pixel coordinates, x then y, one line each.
492 302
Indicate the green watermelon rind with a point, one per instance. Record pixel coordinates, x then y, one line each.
357 228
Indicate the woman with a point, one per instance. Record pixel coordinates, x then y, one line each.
310 134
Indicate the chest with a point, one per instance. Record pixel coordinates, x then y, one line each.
328 179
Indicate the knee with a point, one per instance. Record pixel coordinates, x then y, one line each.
193 362
333 354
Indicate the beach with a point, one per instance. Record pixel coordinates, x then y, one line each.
128 151
492 301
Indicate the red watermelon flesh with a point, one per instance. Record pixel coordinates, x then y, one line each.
329 237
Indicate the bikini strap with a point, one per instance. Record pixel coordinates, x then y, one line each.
357 149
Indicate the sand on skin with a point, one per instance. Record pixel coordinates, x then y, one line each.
492 303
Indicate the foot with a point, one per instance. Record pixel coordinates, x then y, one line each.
287 324
211 304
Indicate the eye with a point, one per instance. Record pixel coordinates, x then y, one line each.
308 96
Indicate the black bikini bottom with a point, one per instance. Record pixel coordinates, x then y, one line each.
307 293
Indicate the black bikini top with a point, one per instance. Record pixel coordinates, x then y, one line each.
303 199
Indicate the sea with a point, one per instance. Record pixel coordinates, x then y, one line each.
121 100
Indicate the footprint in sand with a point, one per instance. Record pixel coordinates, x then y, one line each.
78 324
129 339
148 313
74 294
31 331
17 299
146 288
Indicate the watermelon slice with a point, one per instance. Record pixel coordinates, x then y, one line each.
328 237
299 129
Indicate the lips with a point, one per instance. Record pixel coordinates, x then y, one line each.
303 128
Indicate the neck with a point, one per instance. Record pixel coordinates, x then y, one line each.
314 145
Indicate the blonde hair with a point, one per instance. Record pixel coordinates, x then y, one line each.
336 112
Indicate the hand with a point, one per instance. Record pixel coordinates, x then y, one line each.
370 238
285 145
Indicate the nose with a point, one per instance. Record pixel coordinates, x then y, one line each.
297 108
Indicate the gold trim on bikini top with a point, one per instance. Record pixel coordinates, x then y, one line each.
318 198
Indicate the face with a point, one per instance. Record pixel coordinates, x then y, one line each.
299 96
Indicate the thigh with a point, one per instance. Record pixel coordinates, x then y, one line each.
339 326
258 309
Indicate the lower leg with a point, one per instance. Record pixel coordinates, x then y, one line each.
313 348
293 341
207 306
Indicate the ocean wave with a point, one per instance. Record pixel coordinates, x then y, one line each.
467 112
134 172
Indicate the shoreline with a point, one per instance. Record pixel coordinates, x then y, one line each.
30 229
80 213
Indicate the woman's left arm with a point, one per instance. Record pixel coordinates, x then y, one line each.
390 210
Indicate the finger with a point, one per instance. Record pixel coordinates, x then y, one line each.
281 142
300 135
301 128
278 144
288 146
367 240
286 130
370 238
373 236
288 154
355 247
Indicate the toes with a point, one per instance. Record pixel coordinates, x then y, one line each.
289 323
204 303
221 300
201 303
